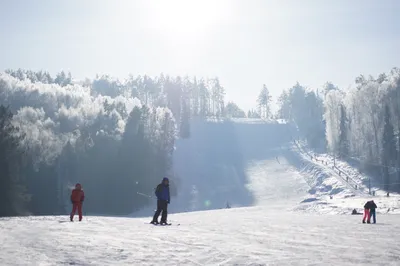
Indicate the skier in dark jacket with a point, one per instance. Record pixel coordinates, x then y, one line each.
163 199
372 212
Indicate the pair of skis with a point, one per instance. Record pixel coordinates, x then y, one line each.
165 224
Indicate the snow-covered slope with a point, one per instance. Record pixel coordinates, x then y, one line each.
254 167
242 236
216 163
330 193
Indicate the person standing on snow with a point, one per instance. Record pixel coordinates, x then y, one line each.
77 198
372 212
163 199
366 211
369 210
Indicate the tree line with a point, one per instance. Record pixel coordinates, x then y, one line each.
116 137
360 124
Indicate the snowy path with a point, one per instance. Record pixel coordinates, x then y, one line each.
276 183
243 236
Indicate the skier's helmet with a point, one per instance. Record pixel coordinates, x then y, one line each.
78 186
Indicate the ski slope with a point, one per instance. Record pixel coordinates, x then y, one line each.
242 236
271 222
326 183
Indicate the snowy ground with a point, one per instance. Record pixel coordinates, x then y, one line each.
242 236
276 183
288 224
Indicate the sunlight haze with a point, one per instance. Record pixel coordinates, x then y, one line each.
244 43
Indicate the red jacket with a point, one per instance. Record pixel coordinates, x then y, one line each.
77 194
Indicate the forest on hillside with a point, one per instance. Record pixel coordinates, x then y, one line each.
360 125
117 137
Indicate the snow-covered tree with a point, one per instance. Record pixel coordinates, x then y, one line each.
264 101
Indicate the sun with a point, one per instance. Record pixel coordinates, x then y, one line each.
185 16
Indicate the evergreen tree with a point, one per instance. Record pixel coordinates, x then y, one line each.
233 110
343 140
12 191
217 97
264 100
284 111
389 152
204 99
185 121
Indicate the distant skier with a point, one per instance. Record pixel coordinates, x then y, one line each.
77 198
163 199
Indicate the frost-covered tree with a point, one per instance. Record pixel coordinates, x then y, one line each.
184 127
333 102
284 111
343 140
12 191
304 109
389 151
372 109
233 110
264 101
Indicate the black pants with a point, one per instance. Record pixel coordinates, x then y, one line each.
162 206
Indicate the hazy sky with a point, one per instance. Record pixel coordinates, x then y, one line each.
244 42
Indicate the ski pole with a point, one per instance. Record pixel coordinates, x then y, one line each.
144 195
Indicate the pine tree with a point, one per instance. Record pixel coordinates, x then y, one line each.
204 96
389 152
343 140
233 110
264 100
12 193
185 121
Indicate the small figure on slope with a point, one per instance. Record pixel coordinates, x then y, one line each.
77 198
369 210
163 199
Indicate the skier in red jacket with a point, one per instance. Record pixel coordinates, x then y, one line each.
77 198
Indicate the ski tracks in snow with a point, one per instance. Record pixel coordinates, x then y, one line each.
241 236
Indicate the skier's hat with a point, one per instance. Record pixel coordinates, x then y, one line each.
165 179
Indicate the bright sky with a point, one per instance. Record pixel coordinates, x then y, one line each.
244 42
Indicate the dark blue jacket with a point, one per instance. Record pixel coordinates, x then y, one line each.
162 192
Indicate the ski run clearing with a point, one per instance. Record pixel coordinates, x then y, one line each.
292 221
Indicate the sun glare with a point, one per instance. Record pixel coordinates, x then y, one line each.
185 16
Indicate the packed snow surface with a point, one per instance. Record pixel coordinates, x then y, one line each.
282 214
242 236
